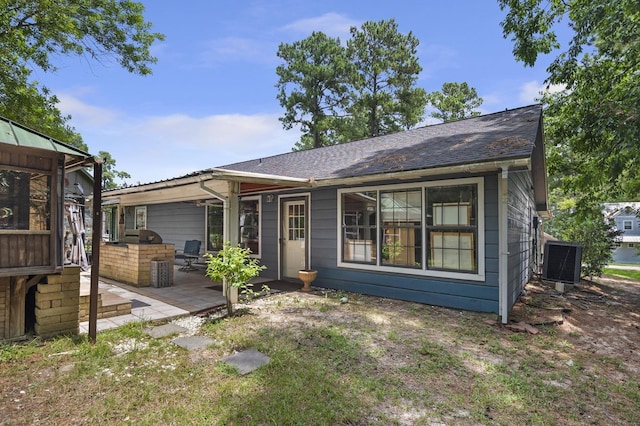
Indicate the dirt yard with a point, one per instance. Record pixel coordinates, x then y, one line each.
600 316
565 358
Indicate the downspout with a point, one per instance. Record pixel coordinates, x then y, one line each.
503 244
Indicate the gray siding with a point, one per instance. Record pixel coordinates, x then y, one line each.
269 238
626 254
324 203
520 213
177 223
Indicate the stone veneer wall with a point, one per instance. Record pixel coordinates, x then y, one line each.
131 263
57 303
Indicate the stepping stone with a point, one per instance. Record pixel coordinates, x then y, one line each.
247 361
193 342
164 330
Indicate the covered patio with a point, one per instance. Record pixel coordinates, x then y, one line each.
192 293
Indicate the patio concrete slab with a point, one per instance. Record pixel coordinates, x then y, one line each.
164 330
247 361
193 342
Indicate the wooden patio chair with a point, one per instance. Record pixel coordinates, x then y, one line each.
190 254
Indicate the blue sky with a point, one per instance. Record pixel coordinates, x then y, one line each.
212 101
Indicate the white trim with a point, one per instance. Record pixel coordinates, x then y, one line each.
479 276
307 198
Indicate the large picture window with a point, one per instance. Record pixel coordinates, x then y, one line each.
433 228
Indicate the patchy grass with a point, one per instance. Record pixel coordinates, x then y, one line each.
371 361
626 273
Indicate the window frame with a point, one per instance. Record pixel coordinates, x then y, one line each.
257 198
624 225
140 212
423 270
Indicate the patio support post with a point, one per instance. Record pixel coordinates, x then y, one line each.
232 224
95 248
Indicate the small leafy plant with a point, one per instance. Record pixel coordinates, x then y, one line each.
234 267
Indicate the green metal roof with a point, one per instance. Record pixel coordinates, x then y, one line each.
12 133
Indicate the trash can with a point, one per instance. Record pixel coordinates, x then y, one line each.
160 273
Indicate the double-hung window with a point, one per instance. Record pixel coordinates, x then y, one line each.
434 228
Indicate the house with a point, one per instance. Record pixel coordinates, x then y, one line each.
447 214
37 292
625 217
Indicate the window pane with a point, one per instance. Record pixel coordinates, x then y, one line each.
141 218
25 201
250 225
359 228
401 214
452 227
215 227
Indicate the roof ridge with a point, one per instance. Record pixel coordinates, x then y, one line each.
371 138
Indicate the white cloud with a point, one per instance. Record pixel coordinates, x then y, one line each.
332 24
491 99
531 92
82 112
162 147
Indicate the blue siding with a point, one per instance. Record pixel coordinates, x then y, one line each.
453 294
324 245
520 213
269 238
491 232
470 295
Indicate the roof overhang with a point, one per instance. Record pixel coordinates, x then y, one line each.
475 168
16 135
201 185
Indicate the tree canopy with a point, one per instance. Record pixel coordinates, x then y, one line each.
385 98
338 94
455 102
34 32
109 172
594 125
313 87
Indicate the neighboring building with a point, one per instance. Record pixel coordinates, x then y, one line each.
444 214
625 216
37 293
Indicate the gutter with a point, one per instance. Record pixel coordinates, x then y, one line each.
212 174
520 163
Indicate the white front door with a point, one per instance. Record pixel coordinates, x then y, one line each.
294 232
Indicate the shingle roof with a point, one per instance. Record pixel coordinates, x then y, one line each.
506 135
